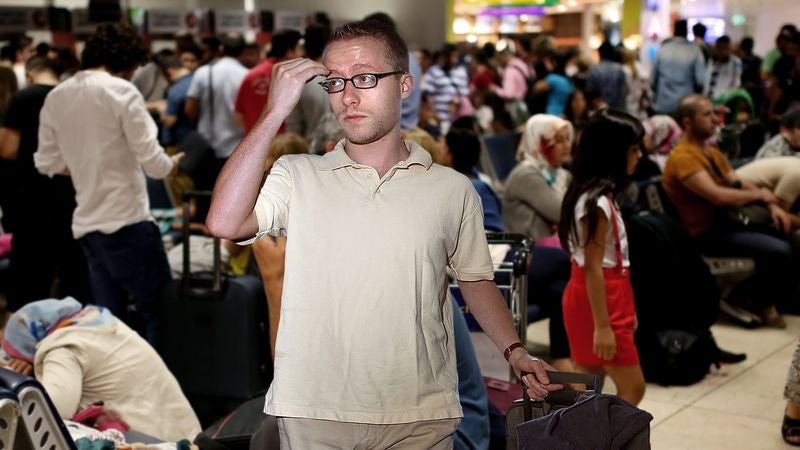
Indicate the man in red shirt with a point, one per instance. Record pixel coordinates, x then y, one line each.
253 92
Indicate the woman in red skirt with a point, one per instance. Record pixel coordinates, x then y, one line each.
599 313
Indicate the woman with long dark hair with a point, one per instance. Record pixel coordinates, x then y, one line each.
599 312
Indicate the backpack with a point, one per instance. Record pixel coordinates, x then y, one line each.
236 430
676 357
677 301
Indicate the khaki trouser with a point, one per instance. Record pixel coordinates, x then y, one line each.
313 434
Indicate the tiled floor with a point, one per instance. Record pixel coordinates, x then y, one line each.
739 407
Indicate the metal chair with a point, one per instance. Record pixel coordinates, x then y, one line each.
9 418
41 425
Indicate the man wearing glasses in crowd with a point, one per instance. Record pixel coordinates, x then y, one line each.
365 355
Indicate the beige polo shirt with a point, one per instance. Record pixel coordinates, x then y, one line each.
366 329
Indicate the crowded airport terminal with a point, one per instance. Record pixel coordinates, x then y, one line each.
600 246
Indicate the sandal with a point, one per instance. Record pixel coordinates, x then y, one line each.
790 429
772 318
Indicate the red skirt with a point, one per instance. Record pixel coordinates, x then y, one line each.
579 322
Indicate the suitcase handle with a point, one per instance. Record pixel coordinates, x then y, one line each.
592 382
216 286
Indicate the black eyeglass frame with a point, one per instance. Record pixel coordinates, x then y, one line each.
377 76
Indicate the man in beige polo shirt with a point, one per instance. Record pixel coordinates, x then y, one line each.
364 356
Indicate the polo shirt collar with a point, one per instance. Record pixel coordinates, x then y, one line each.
338 157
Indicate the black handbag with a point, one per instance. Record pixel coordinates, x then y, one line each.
750 215
753 214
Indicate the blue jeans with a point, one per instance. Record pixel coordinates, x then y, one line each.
773 281
130 262
473 431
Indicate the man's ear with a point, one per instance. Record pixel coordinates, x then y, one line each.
406 86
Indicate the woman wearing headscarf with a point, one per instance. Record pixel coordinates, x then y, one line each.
82 355
661 135
536 186
532 206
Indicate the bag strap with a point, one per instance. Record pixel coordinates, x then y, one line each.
615 227
211 99
528 79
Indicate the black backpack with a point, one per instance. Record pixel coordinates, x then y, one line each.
676 357
677 301
245 428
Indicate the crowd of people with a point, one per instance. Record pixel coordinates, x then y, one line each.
356 242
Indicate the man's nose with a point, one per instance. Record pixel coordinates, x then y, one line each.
350 93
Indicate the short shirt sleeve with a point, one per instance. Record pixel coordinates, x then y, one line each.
471 260
685 165
175 102
198 84
272 205
602 203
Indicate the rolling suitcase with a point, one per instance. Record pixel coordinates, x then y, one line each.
215 336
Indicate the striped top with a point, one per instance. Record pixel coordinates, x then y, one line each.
443 87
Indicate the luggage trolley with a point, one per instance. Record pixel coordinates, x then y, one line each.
511 277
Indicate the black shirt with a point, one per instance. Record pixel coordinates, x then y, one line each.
22 115
39 195
788 76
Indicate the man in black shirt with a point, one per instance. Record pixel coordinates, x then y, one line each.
43 248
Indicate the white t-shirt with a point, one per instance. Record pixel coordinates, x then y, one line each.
108 141
610 255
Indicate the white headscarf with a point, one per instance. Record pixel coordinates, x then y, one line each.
538 128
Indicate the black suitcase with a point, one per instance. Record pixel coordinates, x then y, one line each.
215 336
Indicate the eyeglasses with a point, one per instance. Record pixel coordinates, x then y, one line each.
360 81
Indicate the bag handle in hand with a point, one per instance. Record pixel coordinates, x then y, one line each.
592 382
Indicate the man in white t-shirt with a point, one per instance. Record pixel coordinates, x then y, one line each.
364 353
95 128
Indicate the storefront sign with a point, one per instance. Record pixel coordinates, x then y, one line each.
236 21
290 20
20 20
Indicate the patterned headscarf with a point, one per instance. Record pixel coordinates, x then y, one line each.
37 320
664 133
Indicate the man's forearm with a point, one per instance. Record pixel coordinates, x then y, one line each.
238 184
487 305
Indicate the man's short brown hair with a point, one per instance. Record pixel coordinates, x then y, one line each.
688 107
396 48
